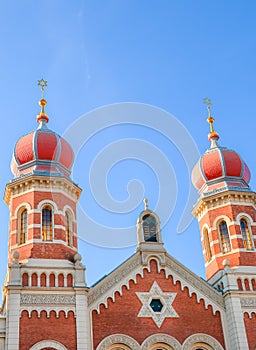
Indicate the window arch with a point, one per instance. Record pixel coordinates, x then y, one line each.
47 225
247 241
23 226
207 246
224 237
149 228
69 231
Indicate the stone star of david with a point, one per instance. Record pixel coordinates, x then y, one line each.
42 83
166 299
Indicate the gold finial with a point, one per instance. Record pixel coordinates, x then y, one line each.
42 115
145 203
213 135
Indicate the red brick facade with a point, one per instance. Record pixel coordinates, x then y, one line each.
120 316
36 328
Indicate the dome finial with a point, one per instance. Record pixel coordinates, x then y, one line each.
42 116
213 136
145 200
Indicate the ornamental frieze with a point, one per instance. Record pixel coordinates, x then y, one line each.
28 299
248 302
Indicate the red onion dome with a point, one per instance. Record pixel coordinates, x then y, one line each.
219 168
42 151
219 165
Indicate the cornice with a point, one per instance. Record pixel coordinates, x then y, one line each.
41 183
205 204
134 266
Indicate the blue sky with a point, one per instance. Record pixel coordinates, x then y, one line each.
166 54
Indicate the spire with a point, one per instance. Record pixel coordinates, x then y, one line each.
42 116
213 136
145 200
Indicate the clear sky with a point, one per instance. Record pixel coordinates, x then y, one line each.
164 57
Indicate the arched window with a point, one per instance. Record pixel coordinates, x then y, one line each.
207 245
68 229
47 223
23 226
149 228
224 237
246 234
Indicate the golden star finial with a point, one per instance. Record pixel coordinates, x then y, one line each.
42 83
42 115
213 135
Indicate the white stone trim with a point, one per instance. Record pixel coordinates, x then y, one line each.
118 339
25 205
134 266
48 344
244 215
83 332
202 338
235 323
166 299
68 208
13 322
161 338
47 190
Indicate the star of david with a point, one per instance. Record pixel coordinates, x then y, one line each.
42 83
166 299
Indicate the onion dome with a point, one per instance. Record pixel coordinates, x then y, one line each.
219 168
42 151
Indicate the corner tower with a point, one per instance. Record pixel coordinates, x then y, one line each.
45 294
41 197
226 207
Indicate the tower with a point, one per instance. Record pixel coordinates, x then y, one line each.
45 290
226 213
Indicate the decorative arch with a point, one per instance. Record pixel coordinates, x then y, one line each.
219 219
67 207
22 205
161 341
204 341
49 202
48 344
118 340
244 215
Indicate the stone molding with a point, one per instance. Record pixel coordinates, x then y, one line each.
205 204
201 338
41 183
135 265
49 299
248 303
161 338
48 344
122 339
118 339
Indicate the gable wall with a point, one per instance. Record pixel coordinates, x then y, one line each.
120 317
